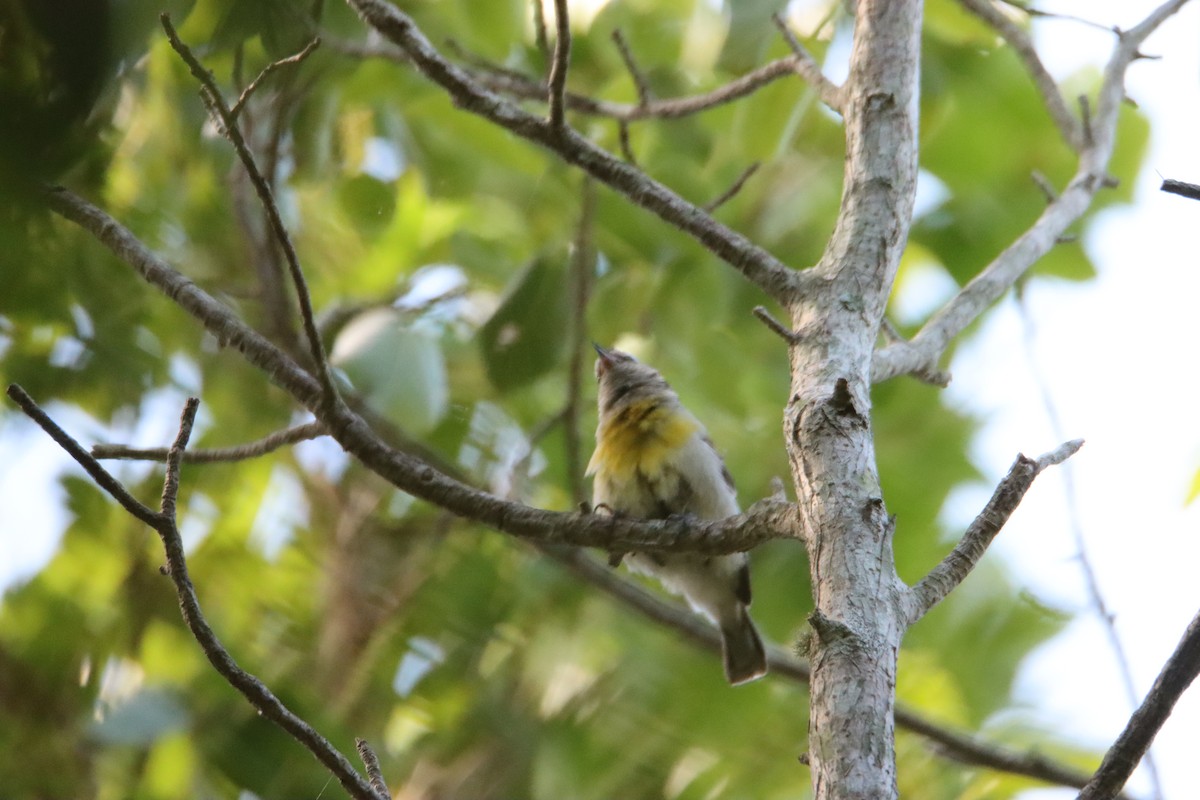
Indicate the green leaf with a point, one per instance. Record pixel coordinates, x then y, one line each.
400 370
525 338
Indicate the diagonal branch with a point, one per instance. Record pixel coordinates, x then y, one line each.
164 522
807 68
758 266
927 347
249 91
955 567
1022 44
217 105
1129 748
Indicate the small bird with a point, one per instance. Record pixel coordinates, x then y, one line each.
654 460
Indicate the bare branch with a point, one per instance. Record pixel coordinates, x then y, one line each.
260 447
216 103
539 27
804 65
558 69
729 193
1022 44
164 523
969 750
170 493
246 94
926 348
371 764
1188 190
98 473
955 567
759 266
1129 748
775 326
626 147
500 79
639 80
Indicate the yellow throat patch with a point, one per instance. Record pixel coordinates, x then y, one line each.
640 439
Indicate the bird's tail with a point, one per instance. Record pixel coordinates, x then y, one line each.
742 648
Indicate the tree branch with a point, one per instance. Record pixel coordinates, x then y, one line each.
1188 190
216 103
164 523
558 69
1129 748
259 447
806 67
639 80
1022 44
926 348
501 80
759 266
249 91
955 567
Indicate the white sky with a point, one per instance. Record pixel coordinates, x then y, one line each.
1117 357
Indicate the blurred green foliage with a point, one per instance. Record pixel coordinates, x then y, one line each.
475 666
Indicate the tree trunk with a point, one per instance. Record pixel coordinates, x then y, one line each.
856 623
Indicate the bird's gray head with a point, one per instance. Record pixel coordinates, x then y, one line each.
624 381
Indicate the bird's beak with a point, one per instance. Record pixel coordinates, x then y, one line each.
604 361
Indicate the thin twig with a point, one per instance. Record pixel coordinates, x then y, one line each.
729 193
639 79
259 447
955 567
1085 114
1022 44
165 524
1043 183
244 97
583 262
1123 757
93 468
170 493
216 102
804 65
539 27
1075 523
502 80
775 326
558 69
623 140
371 764
1188 190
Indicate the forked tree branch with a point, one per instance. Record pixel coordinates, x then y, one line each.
1125 754
164 523
955 567
229 127
926 348
756 264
